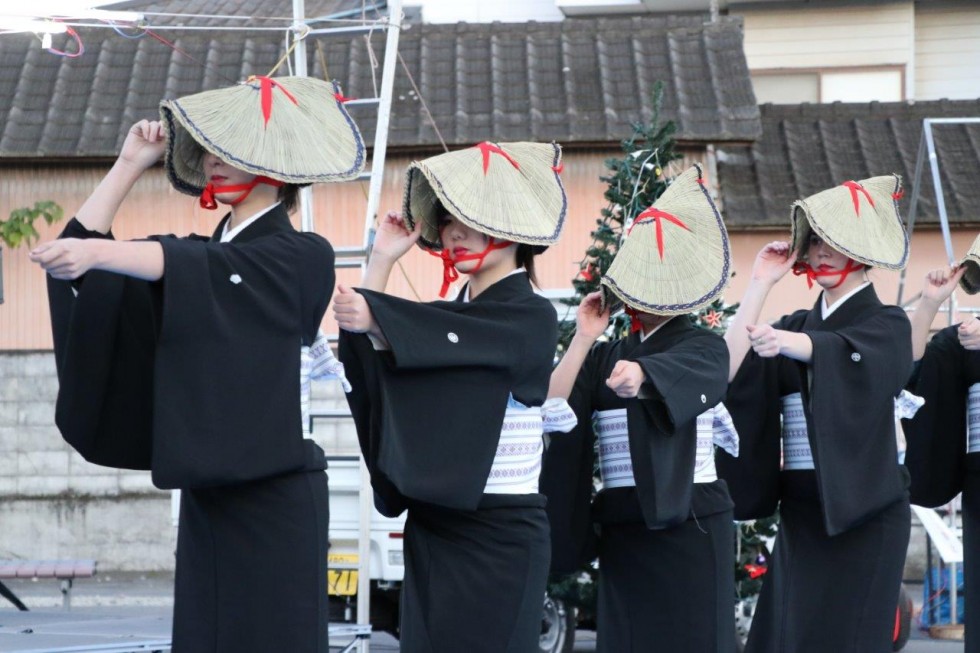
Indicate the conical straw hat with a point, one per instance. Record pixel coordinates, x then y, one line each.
676 257
858 219
510 191
970 281
294 129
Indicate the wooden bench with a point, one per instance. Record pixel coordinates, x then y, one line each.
66 571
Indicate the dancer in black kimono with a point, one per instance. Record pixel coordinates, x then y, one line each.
182 355
447 396
832 373
664 519
943 453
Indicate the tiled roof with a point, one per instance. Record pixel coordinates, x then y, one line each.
806 148
575 81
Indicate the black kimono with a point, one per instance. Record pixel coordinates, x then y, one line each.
429 413
937 455
836 569
196 378
665 545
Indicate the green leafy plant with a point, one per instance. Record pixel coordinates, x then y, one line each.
19 227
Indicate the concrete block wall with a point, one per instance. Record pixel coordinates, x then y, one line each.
54 504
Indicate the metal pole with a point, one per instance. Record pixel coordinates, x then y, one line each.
937 184
384 115
913 204
300 70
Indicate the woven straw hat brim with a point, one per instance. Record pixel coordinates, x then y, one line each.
313 140
696 262
970 281
519 197
875 236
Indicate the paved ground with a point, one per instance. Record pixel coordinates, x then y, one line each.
113 608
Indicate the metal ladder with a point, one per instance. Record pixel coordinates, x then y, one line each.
951 551
356 256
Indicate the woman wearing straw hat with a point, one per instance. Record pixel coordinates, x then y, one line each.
447 396
666 561
943 453
833 373
182 355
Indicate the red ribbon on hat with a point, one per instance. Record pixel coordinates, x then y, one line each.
266 84
655 215
856 188
486 148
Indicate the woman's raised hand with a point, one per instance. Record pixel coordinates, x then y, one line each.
773 262
940 283
393 238
144 144
590 320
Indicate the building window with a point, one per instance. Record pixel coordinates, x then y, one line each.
882 84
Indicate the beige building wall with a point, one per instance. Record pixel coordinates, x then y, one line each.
947 51
862 35
154 207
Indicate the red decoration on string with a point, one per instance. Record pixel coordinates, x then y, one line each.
558 168
899 194
586 273
340 97
266 84
486 148
655 215
855 188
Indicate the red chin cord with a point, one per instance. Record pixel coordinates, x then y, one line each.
449 271
209 202
635 324
801 268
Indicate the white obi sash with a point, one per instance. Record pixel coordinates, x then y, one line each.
796 439
517 464
317 362
714 428
973 419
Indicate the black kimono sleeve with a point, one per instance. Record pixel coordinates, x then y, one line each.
104 344
936 436
754 402
362 366
567 475
233 319
443 387
855 374
681 383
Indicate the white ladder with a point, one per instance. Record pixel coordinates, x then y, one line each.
356 257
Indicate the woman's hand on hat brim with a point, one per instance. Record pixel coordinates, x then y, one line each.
144 145
393 238
773 261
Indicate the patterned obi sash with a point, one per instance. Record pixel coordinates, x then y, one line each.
714 428
517 463
796 439
973 419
